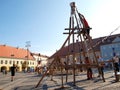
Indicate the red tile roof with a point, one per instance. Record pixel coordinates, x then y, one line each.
101 41
13 52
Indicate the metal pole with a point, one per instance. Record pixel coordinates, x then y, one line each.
27 45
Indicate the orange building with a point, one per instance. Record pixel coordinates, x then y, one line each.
22 58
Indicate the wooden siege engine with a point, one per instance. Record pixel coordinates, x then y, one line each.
78 32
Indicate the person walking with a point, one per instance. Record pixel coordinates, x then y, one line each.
89 70
3 71
101 66
13 68
116 63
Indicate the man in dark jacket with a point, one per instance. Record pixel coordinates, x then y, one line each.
13 68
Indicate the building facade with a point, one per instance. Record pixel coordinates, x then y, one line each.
40 59
22 58
108 50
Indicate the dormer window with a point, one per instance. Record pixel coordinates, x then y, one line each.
12 55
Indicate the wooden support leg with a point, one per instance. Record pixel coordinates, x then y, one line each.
66 75
45 73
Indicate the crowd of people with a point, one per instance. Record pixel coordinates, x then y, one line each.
114 64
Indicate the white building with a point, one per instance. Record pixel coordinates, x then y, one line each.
41 59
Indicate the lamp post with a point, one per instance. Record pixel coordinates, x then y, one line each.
27 45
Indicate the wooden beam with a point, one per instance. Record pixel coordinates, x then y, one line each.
69 33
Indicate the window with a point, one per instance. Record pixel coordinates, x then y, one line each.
13 62
17 62
5 61
1 61
10 62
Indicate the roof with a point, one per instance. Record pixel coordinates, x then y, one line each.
96 43
13 52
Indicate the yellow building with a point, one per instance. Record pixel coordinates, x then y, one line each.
22 58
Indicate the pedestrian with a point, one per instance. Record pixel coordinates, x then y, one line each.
116 63
101 66
3 71
13 68
89 70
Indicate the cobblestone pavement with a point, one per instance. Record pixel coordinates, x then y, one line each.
28 81
20 79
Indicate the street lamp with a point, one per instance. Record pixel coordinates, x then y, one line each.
27 45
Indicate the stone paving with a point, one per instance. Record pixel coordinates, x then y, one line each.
28 81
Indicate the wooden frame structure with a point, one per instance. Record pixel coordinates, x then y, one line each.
78 31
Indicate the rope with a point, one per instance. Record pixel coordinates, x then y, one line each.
106 37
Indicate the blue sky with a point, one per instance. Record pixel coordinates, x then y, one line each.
42 22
